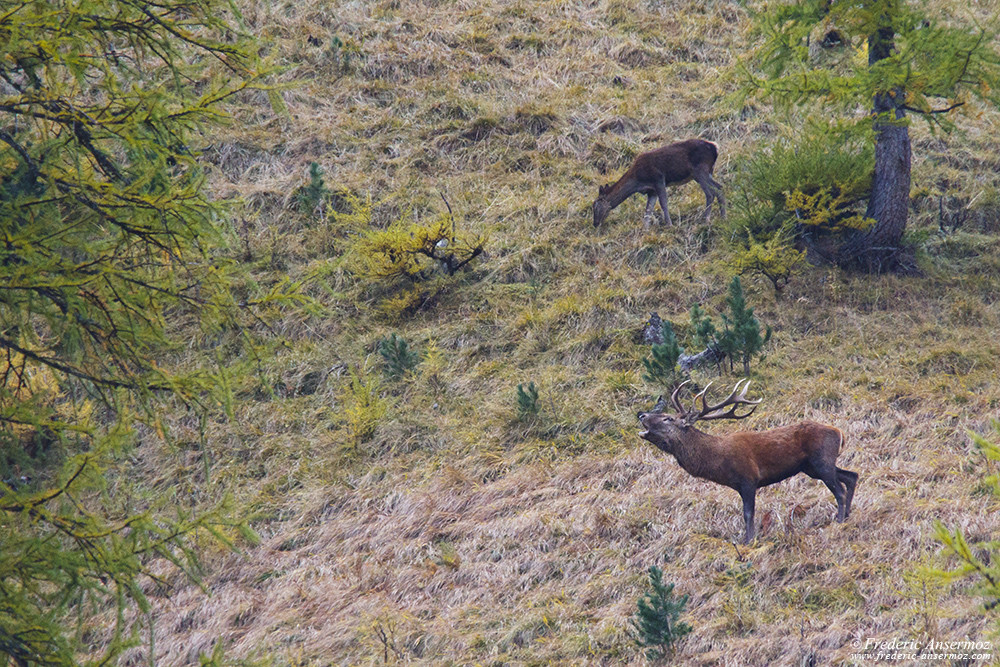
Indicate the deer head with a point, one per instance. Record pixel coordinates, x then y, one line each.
665 430
602 206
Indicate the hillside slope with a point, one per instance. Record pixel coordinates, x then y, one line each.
454 532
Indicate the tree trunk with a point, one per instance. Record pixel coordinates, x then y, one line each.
877 248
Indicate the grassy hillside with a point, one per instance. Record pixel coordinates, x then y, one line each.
419 519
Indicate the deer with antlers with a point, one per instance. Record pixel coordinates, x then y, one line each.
748 461
652 172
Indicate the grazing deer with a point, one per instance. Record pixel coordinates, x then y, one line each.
748 461
652 172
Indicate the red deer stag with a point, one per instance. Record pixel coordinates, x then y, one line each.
748 461
652 172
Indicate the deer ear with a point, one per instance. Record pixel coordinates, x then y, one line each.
603 189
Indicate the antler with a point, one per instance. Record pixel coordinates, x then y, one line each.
675 400
737 398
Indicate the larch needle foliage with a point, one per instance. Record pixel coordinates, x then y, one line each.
413 251
106 243
978 561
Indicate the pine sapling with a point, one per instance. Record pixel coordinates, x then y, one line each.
527 401
705 336
312 197
657 623
661 365
398 357
741 338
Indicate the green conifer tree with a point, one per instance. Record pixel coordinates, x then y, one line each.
661 365
528 405
398 357
741 338
313 196
705 333
656 622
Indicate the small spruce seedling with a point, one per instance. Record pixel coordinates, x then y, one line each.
742 338
527 401
661 366
657 623
397 355
312 197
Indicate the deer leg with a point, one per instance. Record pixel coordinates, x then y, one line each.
718 194
749 496
833 483
831 477
850 480
661 192
708 186
648 215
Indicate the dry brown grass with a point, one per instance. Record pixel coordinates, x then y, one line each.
458 534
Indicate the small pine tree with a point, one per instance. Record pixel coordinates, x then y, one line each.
705 333
706 336
313 196
661 366
742 338
527 401
657 623
397 355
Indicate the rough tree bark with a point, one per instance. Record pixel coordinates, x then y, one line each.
877 248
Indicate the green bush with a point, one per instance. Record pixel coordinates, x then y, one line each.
414 251
775 258
832 163
656 622
806 189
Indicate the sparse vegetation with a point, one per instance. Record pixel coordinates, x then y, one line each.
979 561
